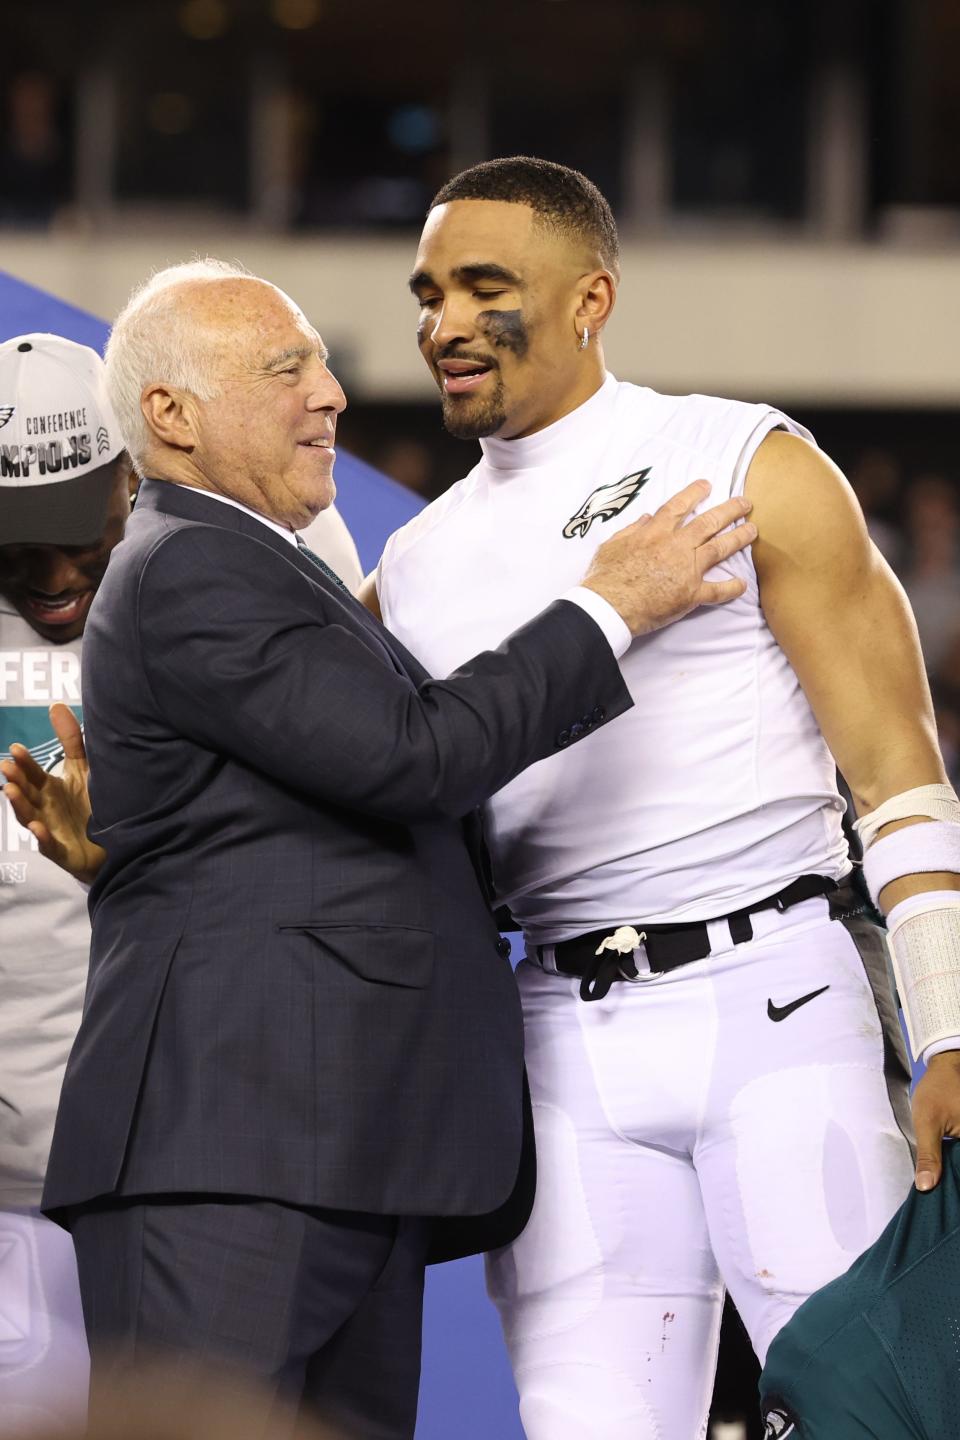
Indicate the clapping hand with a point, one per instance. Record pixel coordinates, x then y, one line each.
56 808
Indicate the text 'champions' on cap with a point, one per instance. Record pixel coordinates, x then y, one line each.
58 436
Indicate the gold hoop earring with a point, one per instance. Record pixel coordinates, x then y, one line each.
585 337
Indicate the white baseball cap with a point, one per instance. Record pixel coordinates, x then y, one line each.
58 436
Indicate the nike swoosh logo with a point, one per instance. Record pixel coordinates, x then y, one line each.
780 1012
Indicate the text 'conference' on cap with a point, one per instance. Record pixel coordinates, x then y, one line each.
58 436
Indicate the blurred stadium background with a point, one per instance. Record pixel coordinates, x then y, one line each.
786 177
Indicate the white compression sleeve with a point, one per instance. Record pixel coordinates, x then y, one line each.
924 940
923 931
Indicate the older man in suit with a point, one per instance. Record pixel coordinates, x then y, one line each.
300 1064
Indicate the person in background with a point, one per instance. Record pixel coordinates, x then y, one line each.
931 568
34 150
163 1400
875 478
65 483
874 1353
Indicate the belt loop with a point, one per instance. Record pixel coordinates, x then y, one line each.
547 955
741 928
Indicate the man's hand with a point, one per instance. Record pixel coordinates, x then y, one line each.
652 571
936 1112
56 808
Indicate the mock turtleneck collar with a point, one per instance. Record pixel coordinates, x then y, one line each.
554 440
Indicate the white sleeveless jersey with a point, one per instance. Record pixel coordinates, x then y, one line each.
717 788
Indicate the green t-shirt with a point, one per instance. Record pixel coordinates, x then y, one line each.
875 1355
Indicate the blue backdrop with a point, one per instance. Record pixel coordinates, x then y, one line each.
467 1390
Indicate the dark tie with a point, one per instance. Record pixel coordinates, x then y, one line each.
320 564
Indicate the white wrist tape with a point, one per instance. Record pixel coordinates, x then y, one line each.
936 802
915 850
952 1042
925 950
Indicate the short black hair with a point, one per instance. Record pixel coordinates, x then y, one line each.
562 198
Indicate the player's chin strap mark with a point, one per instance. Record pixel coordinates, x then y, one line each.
923 932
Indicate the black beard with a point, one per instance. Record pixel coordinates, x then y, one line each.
475 421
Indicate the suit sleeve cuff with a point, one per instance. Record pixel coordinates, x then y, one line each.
614 627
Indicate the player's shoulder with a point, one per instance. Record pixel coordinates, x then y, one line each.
425 524
704 423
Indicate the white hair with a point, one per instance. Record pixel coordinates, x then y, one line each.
154 339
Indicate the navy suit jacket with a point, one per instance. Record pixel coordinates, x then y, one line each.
296 987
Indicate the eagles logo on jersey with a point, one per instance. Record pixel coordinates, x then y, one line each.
779 1425
6 413
48 754
605 502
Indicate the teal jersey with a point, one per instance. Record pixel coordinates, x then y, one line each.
875 1355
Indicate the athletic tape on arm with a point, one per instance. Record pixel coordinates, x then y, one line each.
923 932
936 802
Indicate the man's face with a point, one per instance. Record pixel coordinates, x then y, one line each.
498 295
52 586
266 439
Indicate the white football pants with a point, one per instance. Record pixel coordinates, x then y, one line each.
44 1362
687 1142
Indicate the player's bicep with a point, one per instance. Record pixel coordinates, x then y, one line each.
843 621
813 556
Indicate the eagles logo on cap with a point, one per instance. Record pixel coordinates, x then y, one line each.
6 413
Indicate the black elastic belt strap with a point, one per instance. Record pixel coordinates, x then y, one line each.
669 946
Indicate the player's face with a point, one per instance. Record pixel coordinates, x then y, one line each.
52 586
266 438
498 296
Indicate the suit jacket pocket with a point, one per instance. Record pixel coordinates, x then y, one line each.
381 954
